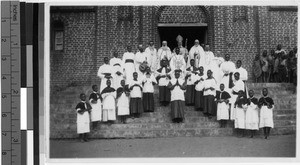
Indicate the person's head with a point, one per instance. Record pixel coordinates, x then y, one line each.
177 50
222 87
122 83
209 73
279 46
236 75
135 75
177 73
141 48
192 62
265 92
196 43
163 62
116 54
95 88
164 43
265 53
82 97
206 48
129 48
251 93
151 43
227 57
241 93
201 69
108 83
238 63
179 43
106 60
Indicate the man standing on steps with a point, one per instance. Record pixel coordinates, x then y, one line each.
140 57
243 74
105 72
238 86
183 51
116 63
164 52
128 64
152 56
196 53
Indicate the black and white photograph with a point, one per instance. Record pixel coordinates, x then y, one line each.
151 80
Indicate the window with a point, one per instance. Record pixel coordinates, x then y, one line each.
57 36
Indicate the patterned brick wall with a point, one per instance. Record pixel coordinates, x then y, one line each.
183 14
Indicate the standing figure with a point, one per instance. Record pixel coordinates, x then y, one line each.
196 53
95 101
227 68
199 86
141 57
265 66
117 73
178 62
148 82
128 64
164 52
266 105
163 78
208 56
182 50
105 72
238 86
252 119
136 104
177 87
241 104
123 101
222 100
257 71
190 89
152 56
83 118
210 86
243 74
109 96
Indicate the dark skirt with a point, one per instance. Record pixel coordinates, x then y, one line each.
177 111
210 106
148 102
136 106
199 100
190 95
164 94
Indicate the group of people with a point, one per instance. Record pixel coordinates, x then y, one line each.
279 66
184 78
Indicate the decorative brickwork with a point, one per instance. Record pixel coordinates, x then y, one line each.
182 14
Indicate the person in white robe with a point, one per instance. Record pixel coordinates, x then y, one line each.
117 75
183 50
197 53
208 56
140 57
199 86
105 72
152 56
123 94
136 104
227 67
238 86
95 102
148 82
210 85
222 100
215 68
178 62
241 105
191 72
243 74
163 77
266 105
164 52
109 96
83 118
128 64
252 120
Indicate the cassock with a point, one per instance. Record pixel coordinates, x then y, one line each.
164 91
128 66
104 69
139 58
198 50
164 53
210 107
177 100
266 114
199 98
116 63
109 107
152 57
136 104
83 120
227 67
148 90
222 108
252 120
123 101
178 62
241 107
190 89
238 85
96 112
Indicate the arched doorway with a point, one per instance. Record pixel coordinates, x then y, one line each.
190 22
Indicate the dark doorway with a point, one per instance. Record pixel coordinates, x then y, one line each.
169 34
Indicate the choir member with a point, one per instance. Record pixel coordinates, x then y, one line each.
222 100
136 104
190 89
241 104
199 86
252 120
109 100
209 94
95 102
128 64
148 82
163 78
123 101
117 73
266 105
105 72
238 86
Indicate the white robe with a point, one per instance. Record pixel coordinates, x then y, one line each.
200 53
227 67
207 84
128 67
239 121
266 117
139 58
164 81
152 57
238 85
148 86
164 52
123 105
178 62
200 85
177 93
252 121
83 122
117 79
136 92
105 68
191 80
243 73
109 107
96 112
208 56
214 66
222 111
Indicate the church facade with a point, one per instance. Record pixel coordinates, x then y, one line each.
82 36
